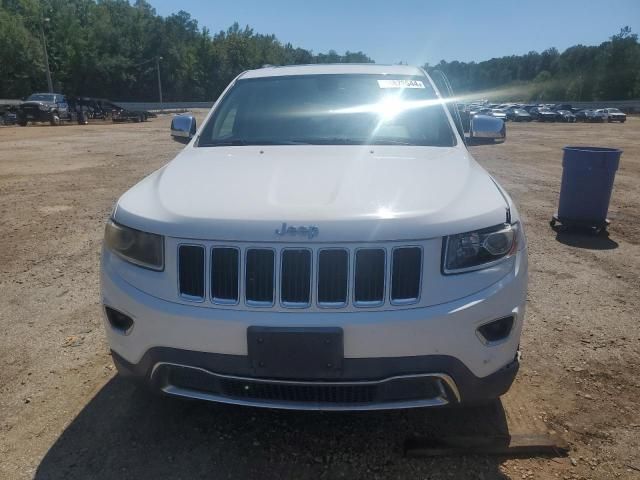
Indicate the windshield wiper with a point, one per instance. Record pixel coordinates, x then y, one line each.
305 141
240 142
330 141
355 141
389 142
226 143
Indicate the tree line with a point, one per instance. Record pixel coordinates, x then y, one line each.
109 48
609 71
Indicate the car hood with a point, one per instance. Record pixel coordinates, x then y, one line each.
350 193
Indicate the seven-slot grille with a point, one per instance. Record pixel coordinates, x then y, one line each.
300 277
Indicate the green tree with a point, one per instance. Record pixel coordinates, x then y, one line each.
608 71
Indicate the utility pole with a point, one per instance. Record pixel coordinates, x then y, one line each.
159 81
46 57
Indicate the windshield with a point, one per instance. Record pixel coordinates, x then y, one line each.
329 110
614 110
43 97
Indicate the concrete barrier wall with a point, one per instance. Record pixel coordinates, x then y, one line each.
629 106
155 106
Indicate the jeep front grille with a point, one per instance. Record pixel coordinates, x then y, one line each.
293 277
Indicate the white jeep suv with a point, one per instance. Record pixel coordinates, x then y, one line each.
324 241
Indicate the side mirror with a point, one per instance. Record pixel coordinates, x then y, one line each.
183 128
486 128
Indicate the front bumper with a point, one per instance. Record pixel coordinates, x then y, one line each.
190 351
35 115
367 384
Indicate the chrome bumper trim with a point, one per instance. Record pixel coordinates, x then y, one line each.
441 400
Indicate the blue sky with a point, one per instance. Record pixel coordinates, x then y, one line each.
420 31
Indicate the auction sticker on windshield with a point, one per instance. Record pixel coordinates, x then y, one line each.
400 83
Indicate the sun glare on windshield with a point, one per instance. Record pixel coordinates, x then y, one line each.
330 110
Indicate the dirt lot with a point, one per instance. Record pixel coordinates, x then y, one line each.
65 414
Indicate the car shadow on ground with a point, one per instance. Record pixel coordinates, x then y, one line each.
126 432
476 141
586 240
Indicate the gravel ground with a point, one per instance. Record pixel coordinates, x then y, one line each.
65 414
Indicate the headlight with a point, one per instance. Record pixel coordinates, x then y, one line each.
143 249
44 108
480 249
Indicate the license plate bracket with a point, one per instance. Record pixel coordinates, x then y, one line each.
296 353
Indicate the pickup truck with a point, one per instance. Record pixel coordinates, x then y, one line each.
325 240
44 107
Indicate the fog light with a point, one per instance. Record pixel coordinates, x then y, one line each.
496 330
119 320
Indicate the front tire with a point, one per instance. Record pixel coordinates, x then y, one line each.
83 118
54 120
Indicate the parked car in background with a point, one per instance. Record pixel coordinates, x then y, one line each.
122 114
499 113
590 116
493 112
9 118
543 114
7 114
92 108
44 107
562 106
565 116
474 109
518 114
613 115
104 109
